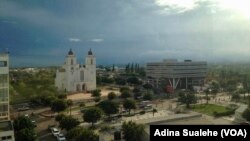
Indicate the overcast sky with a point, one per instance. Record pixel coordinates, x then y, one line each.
40 32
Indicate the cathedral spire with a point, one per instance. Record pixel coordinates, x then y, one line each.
90 52
70 52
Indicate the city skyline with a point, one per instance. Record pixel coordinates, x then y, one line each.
39 33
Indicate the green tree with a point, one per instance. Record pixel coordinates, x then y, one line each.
187 98
25 134
97 99
96 93
92 115
87 135
134 80
81 134
24 129
48 99
132 68
207 91
109 107
62 96
120 81
22 122
246 114
111 96
242 91
129 104
215 87
59 117
154 111
68 122
147 86
113 68
82 104
59 105
148 96
136 90
132 131
125 94
235 97
124 89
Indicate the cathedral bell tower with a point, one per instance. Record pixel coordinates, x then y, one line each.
90 64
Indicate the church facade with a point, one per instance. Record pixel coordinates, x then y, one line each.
73 77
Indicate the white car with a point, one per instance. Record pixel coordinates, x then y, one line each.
61 137
55 131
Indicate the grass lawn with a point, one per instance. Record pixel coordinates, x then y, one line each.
209 109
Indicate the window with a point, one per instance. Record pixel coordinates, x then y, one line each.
91 61
72 61
82 75
6 138
3 108
3 63
3 80
4 94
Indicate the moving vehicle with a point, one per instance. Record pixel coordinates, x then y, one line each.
61 137
55 131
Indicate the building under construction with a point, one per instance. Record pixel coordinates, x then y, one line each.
172 74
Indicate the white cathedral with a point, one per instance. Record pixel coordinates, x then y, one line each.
73 77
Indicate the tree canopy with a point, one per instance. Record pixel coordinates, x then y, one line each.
22 122
68 122
92 115
187 98
59 105
96 93
111 96
129 104
109 107
82 134
132 131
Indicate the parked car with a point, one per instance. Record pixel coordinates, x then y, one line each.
34 123
61 137
149 106
55 131
24 108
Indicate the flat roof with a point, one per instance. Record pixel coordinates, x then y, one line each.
5 126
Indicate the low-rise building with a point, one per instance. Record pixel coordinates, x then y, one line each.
175 74
6 131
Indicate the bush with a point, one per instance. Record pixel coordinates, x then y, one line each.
105 128
246 114
142 112
97 99
117 135
62 96
226 113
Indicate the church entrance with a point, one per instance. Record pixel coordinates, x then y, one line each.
78 87
83 87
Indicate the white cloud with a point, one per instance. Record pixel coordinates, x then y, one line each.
240 7
176 6
74 40
97 40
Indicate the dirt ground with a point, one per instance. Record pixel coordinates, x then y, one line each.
81 96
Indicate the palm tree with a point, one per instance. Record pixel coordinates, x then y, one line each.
70 103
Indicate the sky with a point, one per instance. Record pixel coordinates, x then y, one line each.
40 33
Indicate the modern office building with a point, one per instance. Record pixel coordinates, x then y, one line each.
174 74
73 77
6 128
4 86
